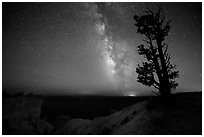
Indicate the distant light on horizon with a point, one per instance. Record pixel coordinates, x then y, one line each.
130 94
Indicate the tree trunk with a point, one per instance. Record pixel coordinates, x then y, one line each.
165 87
164 90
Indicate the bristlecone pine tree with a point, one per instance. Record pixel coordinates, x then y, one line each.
157 71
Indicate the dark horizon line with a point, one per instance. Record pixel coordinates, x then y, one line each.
106 94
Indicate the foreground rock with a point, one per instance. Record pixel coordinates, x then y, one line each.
180 114
80 127
21 115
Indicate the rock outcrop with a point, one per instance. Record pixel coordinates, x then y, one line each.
79 127
21 115
182 114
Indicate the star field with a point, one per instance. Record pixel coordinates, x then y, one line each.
75 48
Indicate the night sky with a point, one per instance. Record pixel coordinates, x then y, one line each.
91 48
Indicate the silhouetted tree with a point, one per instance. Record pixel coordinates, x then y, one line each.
157 71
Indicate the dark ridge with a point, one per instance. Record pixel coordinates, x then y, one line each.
86 107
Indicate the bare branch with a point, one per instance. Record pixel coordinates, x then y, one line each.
146 41
162 14
168 65
149 11
156 93
167 58
166 48
155 82
156 87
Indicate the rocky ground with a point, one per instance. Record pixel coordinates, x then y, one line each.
180 114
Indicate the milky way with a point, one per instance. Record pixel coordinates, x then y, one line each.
115 53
